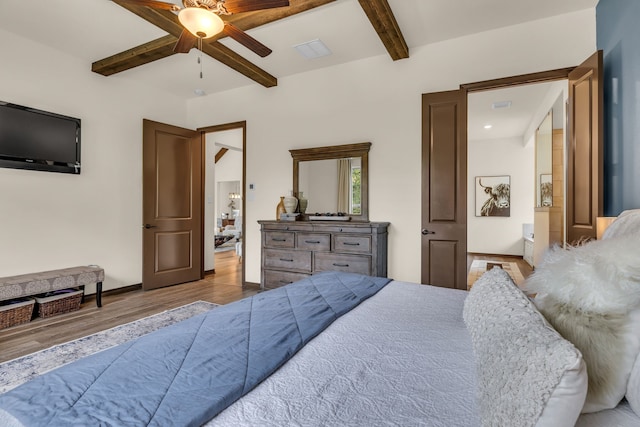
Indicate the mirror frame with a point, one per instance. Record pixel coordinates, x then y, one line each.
338 152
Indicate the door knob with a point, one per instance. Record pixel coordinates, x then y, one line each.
148 226
425 232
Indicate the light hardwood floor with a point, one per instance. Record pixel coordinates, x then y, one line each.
127 306
123 307
525 268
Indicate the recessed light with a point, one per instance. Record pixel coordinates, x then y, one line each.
313 49
488 126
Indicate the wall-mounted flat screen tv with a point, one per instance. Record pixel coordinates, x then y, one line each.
38 140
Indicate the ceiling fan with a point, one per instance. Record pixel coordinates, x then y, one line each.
201 20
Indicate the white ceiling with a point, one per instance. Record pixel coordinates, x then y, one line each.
509 122
95 29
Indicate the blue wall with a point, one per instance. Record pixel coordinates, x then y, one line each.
618 36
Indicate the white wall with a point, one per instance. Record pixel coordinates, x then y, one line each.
52 220
379 100
557 89
501 235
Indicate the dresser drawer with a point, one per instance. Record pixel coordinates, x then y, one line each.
275 278
356 244
279 239
314 241
288 260
340 262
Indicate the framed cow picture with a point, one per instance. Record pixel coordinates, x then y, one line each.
493 195
546 189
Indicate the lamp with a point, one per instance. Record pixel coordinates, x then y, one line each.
200 22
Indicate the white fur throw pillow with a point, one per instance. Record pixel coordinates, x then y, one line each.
590 294
527 374
626 223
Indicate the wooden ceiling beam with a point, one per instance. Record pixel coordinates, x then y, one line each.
163 47
136 56
221 152
249 20
384 22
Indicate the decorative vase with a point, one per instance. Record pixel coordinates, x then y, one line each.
280 208
290 203
302 203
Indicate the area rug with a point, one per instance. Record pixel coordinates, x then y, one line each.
20 370
229 245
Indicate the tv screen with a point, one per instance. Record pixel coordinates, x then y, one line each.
38 140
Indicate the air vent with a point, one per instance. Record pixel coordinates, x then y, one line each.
501 104
313 49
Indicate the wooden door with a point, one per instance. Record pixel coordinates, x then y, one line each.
584 151
172 205
444 189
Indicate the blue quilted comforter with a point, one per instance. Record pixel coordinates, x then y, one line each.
185 374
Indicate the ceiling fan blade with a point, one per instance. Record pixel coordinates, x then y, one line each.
154 4
185 42
239 6
246 40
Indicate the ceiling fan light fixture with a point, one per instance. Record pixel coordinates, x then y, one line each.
200 22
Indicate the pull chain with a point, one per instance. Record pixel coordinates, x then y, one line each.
200 54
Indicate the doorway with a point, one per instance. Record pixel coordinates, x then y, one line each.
509 136
224 207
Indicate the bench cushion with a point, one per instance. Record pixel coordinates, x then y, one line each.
47 281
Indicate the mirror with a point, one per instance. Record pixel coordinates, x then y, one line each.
333 179
549 159
544 149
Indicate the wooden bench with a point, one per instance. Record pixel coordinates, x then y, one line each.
46 281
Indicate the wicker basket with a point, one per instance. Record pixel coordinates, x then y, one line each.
59 302
15 312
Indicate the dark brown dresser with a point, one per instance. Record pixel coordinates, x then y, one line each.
294 250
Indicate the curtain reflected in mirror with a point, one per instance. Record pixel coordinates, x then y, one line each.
344 181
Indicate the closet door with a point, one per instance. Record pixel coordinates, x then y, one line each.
584 151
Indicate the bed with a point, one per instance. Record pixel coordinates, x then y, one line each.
398 354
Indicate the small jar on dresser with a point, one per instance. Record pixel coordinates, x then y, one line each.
294 250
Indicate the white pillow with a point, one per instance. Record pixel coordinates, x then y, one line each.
590 294
527 374
627 222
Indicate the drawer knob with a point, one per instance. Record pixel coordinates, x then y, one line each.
312 241
286 260
351 244
278 239
335 264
